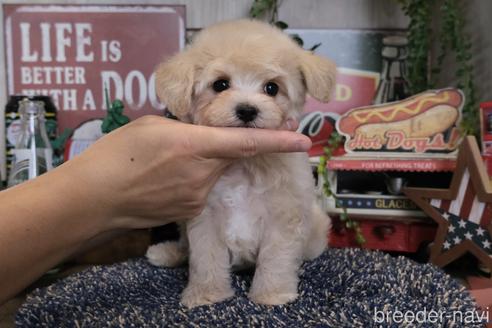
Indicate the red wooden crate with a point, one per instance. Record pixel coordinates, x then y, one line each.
388 234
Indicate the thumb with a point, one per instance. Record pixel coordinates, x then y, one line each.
242 142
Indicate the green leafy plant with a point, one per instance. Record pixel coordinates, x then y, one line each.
333 143
269 9
114 114
419 42
422 33
453 38
261 8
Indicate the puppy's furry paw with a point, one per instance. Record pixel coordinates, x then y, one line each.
201 294
167 254
272 298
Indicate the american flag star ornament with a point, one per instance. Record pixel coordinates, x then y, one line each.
463 212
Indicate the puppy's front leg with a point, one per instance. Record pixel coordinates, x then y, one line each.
276 276
209 272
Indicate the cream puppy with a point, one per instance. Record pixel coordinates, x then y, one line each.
262 210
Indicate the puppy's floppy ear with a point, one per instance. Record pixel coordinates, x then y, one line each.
319 75
174 84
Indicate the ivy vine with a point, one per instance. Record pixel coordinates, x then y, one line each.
422 72
268 9
333 143
419 42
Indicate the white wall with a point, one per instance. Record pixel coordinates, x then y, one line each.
298 13
358 14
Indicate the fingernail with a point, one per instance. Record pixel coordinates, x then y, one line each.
303 144
292 124
289 124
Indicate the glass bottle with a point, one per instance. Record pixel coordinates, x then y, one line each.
393 84
33 154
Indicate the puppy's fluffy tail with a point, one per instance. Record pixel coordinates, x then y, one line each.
317 240
168 254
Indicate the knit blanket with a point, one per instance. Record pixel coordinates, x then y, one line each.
341 288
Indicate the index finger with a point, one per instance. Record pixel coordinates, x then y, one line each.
243 142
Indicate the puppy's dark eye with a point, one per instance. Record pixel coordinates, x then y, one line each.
221 85
271 89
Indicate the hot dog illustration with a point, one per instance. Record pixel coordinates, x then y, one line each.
420 116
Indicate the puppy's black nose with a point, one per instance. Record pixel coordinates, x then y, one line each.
246 113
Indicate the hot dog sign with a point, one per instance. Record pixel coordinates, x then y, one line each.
425 123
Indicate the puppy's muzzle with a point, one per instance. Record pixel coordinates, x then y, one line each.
246 113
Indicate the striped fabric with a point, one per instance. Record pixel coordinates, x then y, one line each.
466 205
468 217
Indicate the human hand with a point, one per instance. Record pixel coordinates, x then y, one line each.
154 170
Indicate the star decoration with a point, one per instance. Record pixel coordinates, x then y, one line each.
463 212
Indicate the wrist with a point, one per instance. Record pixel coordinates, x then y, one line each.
73 197
45 221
